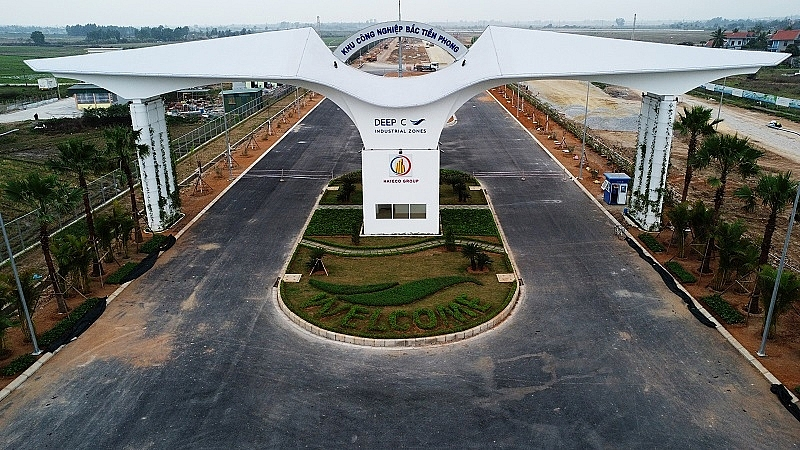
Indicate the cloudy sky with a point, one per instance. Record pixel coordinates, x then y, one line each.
206 12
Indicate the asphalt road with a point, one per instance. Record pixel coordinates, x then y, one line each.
598 353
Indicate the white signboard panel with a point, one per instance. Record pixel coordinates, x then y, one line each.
401 191
387 30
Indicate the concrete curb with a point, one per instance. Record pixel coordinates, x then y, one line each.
720 328
17 382
402 343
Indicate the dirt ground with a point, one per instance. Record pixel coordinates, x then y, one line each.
783 352
193 200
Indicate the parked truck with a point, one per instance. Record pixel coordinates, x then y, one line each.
432 67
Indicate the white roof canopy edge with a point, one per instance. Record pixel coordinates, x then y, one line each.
500 55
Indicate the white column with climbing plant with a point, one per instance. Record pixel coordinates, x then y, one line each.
156 167
654 144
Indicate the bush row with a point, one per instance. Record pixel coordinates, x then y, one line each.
677 269
333 222
346 289
407 293
724 310
67 323
651 242
469 222
153 244
116 277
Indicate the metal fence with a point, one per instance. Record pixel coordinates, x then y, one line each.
23 231
184 145
28 102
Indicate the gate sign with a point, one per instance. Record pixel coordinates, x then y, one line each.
387 30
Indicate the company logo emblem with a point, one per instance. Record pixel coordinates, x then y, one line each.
417 122
400 165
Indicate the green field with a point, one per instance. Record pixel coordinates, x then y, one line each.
12 68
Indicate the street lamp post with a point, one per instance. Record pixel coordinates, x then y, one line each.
762 350
583 145
36 350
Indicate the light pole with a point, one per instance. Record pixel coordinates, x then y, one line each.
36 350
762 349
583 145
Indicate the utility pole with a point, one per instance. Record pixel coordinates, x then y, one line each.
633 33
399 45
36 350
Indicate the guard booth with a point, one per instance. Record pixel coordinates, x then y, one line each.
615 188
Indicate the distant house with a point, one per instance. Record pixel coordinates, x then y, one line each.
91 96
782 39
739 39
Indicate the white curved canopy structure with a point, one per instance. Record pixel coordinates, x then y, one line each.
299 57
401 119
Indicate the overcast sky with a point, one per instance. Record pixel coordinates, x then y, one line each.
205 12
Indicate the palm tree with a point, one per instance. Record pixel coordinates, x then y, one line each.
718 38
122 148
48 196
775 193
680 217
727 153
31 290
788 293
471 251
734 252
694 123
81 158
73 254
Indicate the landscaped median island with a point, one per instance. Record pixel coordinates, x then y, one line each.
400 287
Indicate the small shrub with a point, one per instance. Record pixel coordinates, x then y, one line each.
18 365
726 312
651 242
677 269
116 277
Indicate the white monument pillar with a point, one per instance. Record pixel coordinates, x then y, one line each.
652 159
156 169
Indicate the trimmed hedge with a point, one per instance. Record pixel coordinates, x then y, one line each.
116 277
724 310
333 222
347 289
67 323
469 222
651 242
407 293
677 269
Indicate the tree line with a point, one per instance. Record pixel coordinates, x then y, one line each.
111 33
